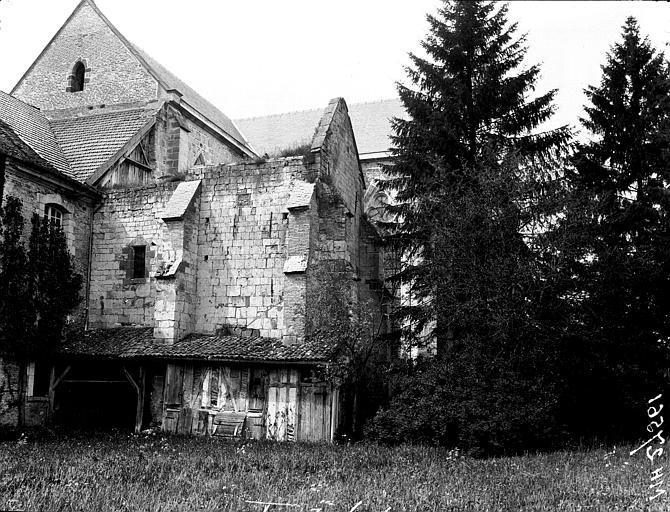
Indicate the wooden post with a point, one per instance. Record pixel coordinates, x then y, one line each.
53 383
139 414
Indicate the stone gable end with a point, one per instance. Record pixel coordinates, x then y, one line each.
113 73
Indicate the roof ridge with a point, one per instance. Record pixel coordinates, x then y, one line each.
291 112
279 114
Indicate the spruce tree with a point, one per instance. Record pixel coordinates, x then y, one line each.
472 173
618 226
470 104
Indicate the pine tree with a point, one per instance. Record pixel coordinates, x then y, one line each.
618 223
38 289
470 107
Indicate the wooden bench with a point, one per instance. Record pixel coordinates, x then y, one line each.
229 424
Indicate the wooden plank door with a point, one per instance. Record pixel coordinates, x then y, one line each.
314 413
282 405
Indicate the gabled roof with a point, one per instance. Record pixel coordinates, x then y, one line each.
371 123
90 140
165 78
137 342
30 124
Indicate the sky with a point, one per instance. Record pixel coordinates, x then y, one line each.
259 57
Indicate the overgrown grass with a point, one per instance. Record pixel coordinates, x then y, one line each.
122 472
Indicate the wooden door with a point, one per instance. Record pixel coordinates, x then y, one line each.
282 405
314 412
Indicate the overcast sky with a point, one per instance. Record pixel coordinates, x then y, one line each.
258 57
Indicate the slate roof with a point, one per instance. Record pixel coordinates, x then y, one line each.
30 124
137 342
370 121
12 145
89 140
171 81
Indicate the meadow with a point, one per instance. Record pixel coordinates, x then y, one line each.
150 472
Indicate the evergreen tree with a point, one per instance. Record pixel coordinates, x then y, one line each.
470 106
474 191
38 289
618 273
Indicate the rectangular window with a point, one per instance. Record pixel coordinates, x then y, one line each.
139 254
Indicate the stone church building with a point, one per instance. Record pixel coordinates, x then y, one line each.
195 245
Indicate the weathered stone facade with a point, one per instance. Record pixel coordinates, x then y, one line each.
114 75
197 254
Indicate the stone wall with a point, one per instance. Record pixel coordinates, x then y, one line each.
9 393
235 232
35 194
125 219
113 74
242 247
238 257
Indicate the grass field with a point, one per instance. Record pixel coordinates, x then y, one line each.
122 472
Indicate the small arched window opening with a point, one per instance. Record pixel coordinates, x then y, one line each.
77 78
54 214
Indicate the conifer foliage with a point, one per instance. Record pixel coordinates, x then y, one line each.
470 104
618 224
473 179
38 289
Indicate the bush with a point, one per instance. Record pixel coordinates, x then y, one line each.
484 405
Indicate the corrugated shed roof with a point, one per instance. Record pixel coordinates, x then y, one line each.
88 141
30 124
371 123
203 106
135 342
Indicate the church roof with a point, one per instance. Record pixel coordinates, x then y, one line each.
34 129
137 342
90 140
371 123
167 80
170 81
12 145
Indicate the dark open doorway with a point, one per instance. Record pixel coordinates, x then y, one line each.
98 395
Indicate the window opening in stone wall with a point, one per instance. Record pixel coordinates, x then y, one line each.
77 78
139 268
54 215
200 160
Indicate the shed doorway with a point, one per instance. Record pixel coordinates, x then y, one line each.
97 395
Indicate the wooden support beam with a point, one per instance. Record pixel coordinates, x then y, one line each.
131 380
139 413
53 383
